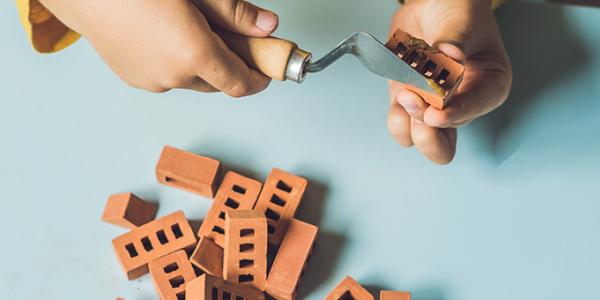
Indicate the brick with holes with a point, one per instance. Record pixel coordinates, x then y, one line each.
128 211
443 73
135 249
291 259
349 289
188 171
394 295
208 256
245 256
170 274
279 200
207 287
236 192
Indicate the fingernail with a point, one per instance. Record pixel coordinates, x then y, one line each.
266 20
409 104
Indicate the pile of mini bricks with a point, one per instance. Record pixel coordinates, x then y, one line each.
247 222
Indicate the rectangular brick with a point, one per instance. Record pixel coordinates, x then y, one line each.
208 256
188 171
349 289
291 259
148 242
170 273
245 257
279 200
236 192
207 287
128 211
394 295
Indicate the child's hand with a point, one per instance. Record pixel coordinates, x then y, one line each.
465 30
160 45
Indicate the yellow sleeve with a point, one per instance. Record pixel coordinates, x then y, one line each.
46 33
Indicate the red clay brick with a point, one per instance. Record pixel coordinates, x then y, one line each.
146 243
170 273
279 200
208 256
236 192
349 289
394 295
290 261
128 211
245 259
188 171
207 287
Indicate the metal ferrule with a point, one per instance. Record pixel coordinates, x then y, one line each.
296 66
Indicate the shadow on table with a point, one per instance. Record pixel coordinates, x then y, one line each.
544 52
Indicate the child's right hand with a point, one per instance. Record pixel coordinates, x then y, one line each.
161 45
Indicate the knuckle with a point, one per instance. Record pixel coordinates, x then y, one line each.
237 90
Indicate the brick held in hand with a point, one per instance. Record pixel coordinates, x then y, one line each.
279 200
188 171
443 73
135 249
207 287
236 192
291 259
170 274
208 256
349 289
128 211
394 295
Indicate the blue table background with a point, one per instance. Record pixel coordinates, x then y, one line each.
515 216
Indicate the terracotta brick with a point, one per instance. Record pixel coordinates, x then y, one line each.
290 261
394 295
146 243
443 73
245 259
188 171
128 211
208 256
170 273
208 287
279 200
349 289
236 192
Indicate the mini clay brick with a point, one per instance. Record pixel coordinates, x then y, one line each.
236 192
207 287
349 289
135 249
128 211
188 171
291 259
443 73
245 257
394 295
279 200
208 256
170 273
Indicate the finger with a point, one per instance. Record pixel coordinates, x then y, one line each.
437 144
413 104
398 123
198 84
239 16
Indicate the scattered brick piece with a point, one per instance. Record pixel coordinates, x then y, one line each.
279 199
236 192
394 295
188 171
207 287
349 289
170 273
290 261
245 259
208 256
148 242
128 211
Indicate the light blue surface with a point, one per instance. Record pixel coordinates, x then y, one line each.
515 216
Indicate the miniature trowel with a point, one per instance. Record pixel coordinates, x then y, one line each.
404 58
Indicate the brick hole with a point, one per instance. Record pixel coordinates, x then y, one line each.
176 230
245 278
214 293
412 58
429 68
284 186
180 295
239 189
131 250
270 229
246 263
171 268
232 203
176 281
277 200
162 237
441 79
222 215
147 244
219 230
239 298
247 247
346 296
271 214
247 232
226 295
400 50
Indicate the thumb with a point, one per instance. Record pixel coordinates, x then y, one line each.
239 16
